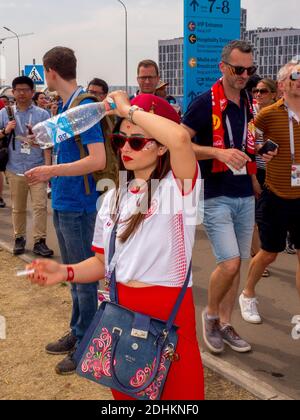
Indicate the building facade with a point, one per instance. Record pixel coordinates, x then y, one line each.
273 48
171 64
243 23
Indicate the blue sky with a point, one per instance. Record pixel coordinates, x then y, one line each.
95 30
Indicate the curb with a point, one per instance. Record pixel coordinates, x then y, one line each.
241 378
237 376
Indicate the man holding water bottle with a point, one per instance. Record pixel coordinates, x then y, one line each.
74 210
23 157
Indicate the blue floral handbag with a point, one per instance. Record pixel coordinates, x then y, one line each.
129 351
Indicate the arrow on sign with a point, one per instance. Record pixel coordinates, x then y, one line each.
194 4
193 39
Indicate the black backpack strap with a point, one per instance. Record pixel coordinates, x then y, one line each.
11 117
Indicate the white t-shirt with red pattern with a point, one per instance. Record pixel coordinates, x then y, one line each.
160 252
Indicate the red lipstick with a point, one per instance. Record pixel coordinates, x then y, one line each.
127 159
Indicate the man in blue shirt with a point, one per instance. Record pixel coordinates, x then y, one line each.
74 209
22 158
219 120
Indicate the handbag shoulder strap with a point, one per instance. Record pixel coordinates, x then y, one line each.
113 293
113 282
180 298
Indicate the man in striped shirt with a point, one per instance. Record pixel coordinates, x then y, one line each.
279 207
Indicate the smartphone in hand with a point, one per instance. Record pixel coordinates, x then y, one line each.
269 146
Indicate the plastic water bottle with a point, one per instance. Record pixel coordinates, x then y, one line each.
70 123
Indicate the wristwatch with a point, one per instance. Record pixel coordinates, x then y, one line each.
132 110
3 132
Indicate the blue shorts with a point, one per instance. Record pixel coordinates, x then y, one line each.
229 224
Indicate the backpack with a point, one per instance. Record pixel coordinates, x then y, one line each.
112 167
5 142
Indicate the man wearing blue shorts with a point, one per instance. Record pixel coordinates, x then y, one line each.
218 120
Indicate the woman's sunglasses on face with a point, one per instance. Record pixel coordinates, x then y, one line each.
295 76
239 70
261 91
137 143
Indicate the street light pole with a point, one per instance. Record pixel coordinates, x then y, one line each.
19 55
126 43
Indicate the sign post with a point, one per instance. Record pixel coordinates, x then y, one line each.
208 26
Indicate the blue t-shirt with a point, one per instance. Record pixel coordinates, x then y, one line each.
19 163
199 118
68 193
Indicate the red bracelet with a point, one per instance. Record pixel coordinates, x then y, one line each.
71 274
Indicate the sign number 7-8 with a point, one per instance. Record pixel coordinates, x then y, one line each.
212 5
225 6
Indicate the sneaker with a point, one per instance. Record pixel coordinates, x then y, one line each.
266 274
19 247
233 340
211 334
249 310
40 248
2 203
67 366
63 346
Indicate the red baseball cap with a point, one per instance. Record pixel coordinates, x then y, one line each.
157 106
2 104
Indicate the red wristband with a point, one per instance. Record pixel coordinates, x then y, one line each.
71 274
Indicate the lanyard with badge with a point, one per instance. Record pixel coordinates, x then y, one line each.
25 147
56 150
295 172
243 171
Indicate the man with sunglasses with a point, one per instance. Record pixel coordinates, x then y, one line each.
279 206
218 120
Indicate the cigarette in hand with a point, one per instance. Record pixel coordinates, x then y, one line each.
25 273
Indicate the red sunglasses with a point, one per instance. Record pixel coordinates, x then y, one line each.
136 143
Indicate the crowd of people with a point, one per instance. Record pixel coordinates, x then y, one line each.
251 198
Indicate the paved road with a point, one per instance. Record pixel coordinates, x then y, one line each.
276 356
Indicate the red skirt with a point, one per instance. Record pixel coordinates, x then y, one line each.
185 379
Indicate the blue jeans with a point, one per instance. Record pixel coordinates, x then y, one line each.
229 223
75 235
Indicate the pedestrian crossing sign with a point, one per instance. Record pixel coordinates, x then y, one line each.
36 74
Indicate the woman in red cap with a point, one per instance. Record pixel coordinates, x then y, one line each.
156 212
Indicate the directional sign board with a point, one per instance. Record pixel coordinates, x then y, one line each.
36 74
208 26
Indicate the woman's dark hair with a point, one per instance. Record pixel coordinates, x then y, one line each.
36 97
160 172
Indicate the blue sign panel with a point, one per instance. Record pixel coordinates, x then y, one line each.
208 26
35 73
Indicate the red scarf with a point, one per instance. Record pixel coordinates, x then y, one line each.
220 103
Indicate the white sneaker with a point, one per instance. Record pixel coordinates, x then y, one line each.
249 310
